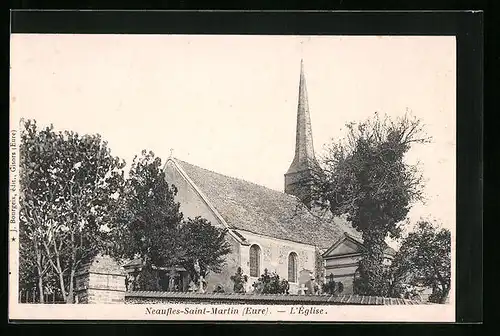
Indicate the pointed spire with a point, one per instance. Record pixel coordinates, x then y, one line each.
304 148
299 176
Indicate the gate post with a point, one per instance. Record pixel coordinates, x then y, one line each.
101 281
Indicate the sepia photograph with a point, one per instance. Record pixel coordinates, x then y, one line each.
232 177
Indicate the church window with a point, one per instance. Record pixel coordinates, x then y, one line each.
292 267
254 261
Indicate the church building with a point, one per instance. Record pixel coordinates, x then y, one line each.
268 229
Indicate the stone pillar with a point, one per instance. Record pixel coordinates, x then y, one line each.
101 281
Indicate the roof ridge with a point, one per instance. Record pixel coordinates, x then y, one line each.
248 206
238 179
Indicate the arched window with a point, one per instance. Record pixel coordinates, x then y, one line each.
292 267
254 260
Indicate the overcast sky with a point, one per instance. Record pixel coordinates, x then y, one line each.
228 103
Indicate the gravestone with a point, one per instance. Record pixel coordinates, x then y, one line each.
305 276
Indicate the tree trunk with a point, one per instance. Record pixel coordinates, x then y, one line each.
444 295
371 280
40 288
70 298
40 273
61 285
61 279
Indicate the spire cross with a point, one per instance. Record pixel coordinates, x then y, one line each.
171 152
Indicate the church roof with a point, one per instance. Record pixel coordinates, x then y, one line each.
251 207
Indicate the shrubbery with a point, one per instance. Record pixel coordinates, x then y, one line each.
270 283
332 287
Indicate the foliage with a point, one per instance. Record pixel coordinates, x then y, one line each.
332 287
202 244
366 178
319 270
69 187
153 228
148 279
270 283
425 259
150 217
239 279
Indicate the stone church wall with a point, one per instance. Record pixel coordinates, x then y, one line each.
231 265
192 205
274 256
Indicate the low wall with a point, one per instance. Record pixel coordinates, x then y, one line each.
103 281
143 297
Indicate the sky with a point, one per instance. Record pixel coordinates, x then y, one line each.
229 103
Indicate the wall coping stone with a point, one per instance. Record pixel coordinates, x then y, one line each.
270 298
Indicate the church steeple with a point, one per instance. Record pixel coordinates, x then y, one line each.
304 149
304 162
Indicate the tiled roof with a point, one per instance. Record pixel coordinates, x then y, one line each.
388 250
272 298
251 207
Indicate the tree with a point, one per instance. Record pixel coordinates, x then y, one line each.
425 259
270 283
366 178
202 244
69 186
154 231
149 219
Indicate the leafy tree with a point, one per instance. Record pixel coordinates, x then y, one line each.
239 279
202 244
150 216
69 189
29 275
425 259
153 228
366 178
270 283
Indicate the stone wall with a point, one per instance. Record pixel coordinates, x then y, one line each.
191 206
259 299
274 257
343 269
101 281
232 262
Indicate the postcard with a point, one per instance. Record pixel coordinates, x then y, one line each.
232 177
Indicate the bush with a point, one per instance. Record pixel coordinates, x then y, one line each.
332 287
270 283
148 279
239 279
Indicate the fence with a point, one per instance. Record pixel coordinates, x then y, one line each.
32 296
